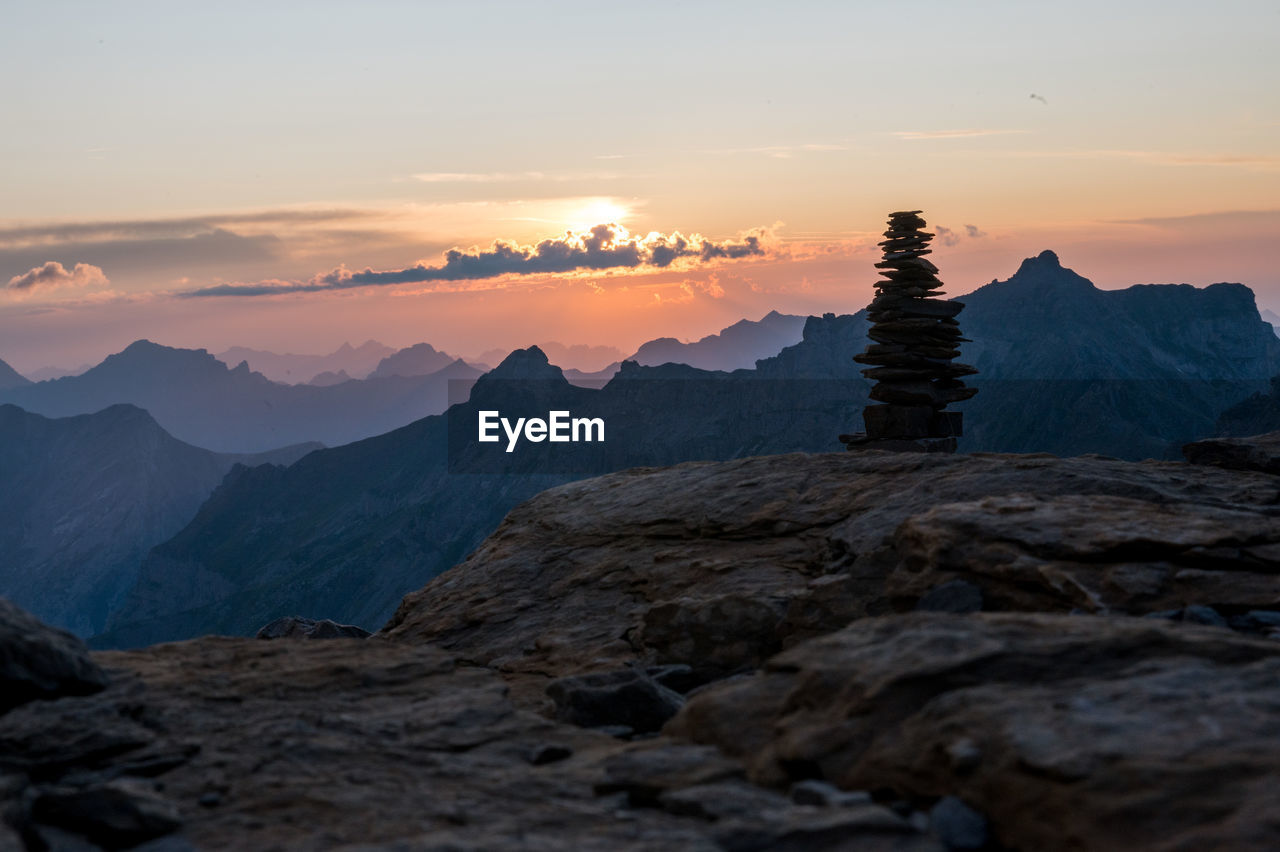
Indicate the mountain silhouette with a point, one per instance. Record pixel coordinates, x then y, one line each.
291 369
737 347
345 532
86 497
198 399
11 378
421 359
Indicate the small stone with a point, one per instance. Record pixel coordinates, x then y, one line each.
541 755
965 755
822 794
1200 614
956 596
957 825
1267 617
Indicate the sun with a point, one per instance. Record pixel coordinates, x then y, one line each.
597 211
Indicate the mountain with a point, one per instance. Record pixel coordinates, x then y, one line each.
1273 318
11 378
44 374
293 369
579 356
83 500
595 379
328 378
198 399
1253 416
737 347
417 360
346 531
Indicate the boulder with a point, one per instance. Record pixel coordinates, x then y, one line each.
628 698
1065 732
39 661
1259 453
297 627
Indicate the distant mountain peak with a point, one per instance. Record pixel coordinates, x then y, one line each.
526 364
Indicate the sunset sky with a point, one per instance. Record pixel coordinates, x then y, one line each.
225 174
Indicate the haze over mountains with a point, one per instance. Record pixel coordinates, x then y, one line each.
345 532
291 369
737 347
86 497
198 399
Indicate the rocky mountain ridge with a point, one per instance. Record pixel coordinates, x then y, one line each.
86 497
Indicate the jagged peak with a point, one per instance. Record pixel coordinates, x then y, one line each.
531 363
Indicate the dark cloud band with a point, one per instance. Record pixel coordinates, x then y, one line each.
603 247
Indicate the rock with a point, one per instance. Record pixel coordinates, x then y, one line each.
814 792
1101 553
549 753
629 697
1083 725
1198 614
330 745
952 596
957 825
1259 453
115 815
817 541
38 661
296 627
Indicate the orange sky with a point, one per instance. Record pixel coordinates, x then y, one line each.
169 150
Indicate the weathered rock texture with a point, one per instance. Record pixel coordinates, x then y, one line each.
767 604
1067 732
722 565
1260 453
238 744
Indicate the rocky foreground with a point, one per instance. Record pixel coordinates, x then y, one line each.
848 651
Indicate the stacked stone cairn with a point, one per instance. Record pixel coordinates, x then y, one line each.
915 337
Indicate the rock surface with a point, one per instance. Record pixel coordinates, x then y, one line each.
1066 732
1260 453
239 744
38 661
721 565
770 604
297 627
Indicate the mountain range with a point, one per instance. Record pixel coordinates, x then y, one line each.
86 497
291 369
345 532
198 399
737 347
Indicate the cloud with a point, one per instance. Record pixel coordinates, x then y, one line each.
602 247
974 232
1265 162
781 152
946 236
952 134
53 275
507 177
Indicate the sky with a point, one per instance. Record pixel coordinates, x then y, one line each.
290 176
